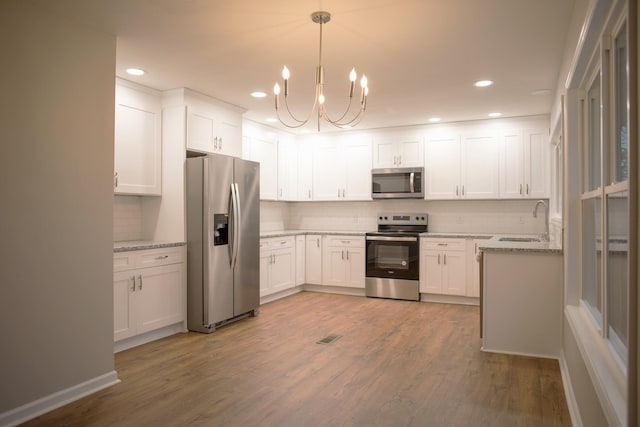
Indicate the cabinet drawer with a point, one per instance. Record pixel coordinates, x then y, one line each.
163 256
443 244
345 241
277 243
123 261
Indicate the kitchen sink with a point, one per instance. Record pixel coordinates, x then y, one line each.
518 239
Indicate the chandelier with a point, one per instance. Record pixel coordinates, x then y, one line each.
349 118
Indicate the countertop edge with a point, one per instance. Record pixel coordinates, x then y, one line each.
142 245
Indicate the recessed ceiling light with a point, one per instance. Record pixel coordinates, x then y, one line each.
135 71
496 114
434 119
483 83
258 94
271 119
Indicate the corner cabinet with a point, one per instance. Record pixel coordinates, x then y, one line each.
149 290
343 261
137 143
342 169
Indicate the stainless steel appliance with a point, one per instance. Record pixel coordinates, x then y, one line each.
223 240
393 256
397 183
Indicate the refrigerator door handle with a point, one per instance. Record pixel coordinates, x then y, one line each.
235 217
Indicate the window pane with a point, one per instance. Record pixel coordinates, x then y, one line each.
620 153
617 283
593 136
592 256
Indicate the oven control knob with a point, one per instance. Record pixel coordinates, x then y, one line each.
380 218
417 218
386 218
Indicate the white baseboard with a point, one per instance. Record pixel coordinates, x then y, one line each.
449 299
48 403
572 403
148 337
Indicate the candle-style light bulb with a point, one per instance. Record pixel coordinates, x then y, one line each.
285 73
363 81
352 75
276 89
321 99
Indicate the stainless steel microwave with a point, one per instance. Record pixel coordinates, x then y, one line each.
397 183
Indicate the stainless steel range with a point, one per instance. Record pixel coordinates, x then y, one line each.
393 256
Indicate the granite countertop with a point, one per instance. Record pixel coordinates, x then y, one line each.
457 235
138 245
283 233
495 245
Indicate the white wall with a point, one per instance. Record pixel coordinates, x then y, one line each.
56 169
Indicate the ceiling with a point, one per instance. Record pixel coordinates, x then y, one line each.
421 57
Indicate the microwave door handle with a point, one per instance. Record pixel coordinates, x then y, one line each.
412 182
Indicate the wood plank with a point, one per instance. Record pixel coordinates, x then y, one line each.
397 363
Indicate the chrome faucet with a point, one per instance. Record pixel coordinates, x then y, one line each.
545 236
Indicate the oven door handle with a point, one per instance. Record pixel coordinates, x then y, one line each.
392 239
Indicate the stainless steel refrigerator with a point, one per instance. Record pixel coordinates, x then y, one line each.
223 241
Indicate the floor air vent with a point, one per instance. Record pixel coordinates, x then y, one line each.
328 339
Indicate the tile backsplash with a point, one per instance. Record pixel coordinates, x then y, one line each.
127 218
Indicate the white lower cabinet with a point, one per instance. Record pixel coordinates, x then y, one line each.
343 261
313 259
277 264
149 290
443 266
300 260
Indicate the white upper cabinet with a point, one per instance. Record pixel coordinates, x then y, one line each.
342 168
462 167
211 129
264 150
137 145
524 164
287 168
400 152
305 171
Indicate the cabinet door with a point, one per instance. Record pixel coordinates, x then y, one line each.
442 160
305 172
536 165
229 134
481 167
265 270
334 266
265 152
357 170
124 325
160 296
282 269
384 154
430 272
410 153
328 172
313 255
200 131
287 169
300 259
356 263
137 144
454 269
512 166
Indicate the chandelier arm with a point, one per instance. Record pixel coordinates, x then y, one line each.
339 119
339 123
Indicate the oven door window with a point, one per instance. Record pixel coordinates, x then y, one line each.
397 260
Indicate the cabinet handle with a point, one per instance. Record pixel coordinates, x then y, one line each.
521 189
457 191
443 244
318 242
343 255
445 259
273 258
284 242
133 288
115 180
140 282
476 248
438 259
394 160
343 193
527 189
162 257
463 190
309 194
338 193
220 143
399 160
347 255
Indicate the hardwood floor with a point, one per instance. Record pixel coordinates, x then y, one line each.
397 363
